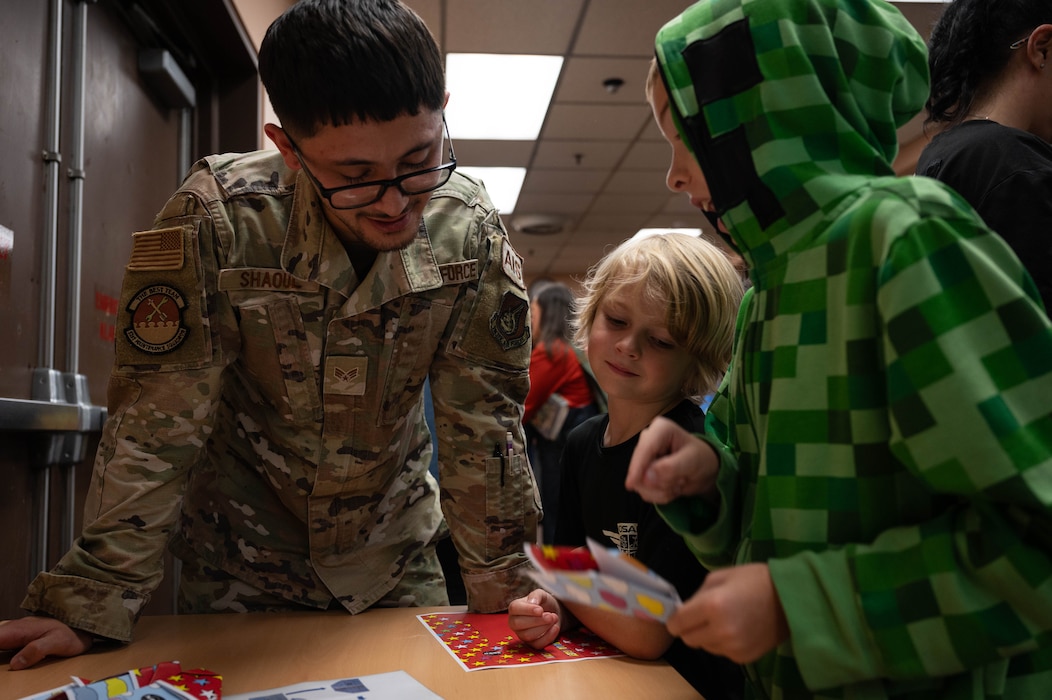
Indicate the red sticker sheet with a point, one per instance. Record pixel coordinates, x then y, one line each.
478 641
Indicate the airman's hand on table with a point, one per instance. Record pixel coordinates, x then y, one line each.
36 638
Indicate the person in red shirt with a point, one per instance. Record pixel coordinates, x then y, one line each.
555 369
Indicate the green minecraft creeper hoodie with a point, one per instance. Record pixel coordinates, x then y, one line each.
885 432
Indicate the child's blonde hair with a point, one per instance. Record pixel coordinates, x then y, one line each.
696 281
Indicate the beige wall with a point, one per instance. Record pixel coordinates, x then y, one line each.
257 15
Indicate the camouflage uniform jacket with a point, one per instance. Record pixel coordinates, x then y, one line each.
885 432
266 407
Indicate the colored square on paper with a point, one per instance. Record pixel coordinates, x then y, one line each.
478 641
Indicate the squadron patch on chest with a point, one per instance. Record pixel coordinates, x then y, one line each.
508 323
156 319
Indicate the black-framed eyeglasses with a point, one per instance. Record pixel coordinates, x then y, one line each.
366 193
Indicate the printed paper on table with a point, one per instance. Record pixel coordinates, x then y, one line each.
396 684
479 640
603 578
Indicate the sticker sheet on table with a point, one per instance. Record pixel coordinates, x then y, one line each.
479 641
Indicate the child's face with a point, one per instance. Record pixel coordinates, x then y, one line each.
632 354
684 173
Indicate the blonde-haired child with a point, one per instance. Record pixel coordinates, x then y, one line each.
657 321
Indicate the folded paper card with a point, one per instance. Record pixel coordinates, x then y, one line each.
164 681
602 578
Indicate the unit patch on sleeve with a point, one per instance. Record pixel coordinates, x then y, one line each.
161 318
156 319
508 323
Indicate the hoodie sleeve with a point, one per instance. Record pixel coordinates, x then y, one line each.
968 365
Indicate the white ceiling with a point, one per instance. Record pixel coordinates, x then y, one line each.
599 163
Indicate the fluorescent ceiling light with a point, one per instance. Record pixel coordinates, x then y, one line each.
499 96
647 232
503 184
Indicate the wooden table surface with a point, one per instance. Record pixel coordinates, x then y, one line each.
260 651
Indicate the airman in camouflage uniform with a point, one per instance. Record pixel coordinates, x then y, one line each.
267 405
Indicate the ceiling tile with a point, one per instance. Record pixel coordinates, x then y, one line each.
623 203
577 154
638 182
494 153
553 203
575 259
624 27
583 79
651 132
648 155
578 121
617 223
499 26
577 180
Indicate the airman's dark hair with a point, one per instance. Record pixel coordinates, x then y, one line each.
337 61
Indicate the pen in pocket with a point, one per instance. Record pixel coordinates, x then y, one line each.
497 452
507 453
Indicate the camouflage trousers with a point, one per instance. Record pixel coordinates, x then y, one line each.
206 589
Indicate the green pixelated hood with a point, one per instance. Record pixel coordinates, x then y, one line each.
790 106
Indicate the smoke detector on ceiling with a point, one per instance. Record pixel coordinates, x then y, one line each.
538 224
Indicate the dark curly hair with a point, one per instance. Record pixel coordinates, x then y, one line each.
969 49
